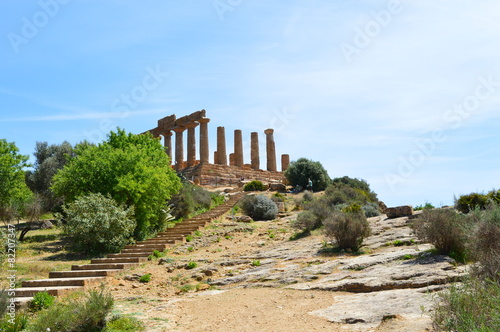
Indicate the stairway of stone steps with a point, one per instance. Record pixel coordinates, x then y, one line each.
90 275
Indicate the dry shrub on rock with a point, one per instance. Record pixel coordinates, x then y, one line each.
347 229
446 229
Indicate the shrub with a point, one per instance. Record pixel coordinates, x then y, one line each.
124 324
191 265
359 185
347 229
145 278
254 186
256 263
299 172
259 207
371 210
80 314
41 300
467 203
98 224
320 208
471 307
191 200
426 206
446 230
306 221
485 244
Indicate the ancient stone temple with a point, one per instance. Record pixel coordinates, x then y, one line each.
226 169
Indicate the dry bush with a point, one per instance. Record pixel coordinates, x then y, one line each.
485 244
347 229
446 229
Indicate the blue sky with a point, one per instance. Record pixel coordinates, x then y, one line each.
404 94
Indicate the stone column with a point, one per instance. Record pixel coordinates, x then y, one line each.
191 142
167 143
204 140
238 148
254 151
179 147
271 150
231 159
285 161
221 146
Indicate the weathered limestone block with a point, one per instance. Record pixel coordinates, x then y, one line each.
277 187
399 211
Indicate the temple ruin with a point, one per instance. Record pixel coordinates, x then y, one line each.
226 169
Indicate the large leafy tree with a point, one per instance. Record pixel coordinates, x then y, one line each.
299 172
133 169
49 160
13 190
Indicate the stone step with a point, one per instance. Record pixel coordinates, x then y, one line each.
119 260
130 254
139 250
22 302
160 239
112 266
54 291
147 246
84 281
83 273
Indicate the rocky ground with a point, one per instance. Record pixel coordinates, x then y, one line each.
236 276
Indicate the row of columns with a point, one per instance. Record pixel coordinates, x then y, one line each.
220 156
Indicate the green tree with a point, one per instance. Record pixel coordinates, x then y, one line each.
13 190
299 172
49 160
133 169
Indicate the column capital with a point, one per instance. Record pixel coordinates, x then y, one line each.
179 129
269 131
203 120
167 133
190 125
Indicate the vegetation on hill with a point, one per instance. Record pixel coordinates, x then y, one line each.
14 192
192 200
471 234
259 207
49 160
97 224
300 171
132 169
342 210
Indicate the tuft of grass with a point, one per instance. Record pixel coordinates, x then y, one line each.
191 265
145 278
124 324
189 238
256 263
